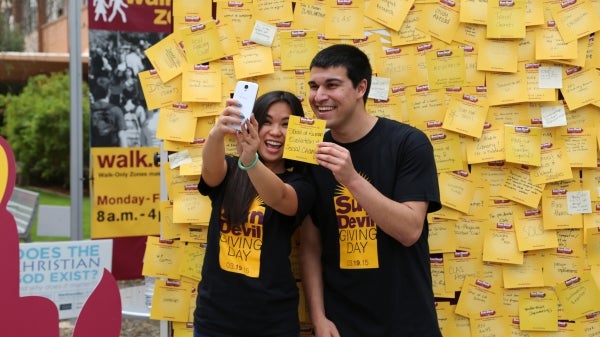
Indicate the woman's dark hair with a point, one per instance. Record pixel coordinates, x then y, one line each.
239 191
350 57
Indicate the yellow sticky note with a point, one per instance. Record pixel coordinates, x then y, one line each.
553 167
158 93
580 139
555 208
253 60
187 203
309 16
506 19
171 301
474 12
498 55
460 265
456 190
193 167
201 43
390 14
193 260
466 114
297 48
522 144
197 232
446 150
476 296
167 56
574 19
588 325
168 229
549 44
227 36
278 80
426 107
343 20
273 11
492 323
302 137
518 187
580 86
489 147
440 19
579 295
529 227
506 87
162 258
442 237
409 33
469 234
500 244
494 173
526 275
538 310
394 107
535 93
201 83
177 123
241 16
446 67
567 260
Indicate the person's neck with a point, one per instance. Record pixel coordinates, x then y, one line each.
356 129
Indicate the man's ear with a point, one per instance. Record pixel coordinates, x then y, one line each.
361 88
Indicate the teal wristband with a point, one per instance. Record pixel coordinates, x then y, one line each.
246 168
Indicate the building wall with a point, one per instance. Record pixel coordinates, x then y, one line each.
55 35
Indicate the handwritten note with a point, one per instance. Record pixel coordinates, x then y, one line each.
553 115
263 33
550 77
380 87
579 202
178 158
302 137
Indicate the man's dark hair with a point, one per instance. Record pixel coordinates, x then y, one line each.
352 58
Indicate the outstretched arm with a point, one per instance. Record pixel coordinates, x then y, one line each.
214 166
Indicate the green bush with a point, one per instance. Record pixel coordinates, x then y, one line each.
37 126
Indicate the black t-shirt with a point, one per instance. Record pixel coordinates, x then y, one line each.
396 298
233 304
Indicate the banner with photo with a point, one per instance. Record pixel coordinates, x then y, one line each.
121 122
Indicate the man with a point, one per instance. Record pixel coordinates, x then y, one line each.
364 249
108 123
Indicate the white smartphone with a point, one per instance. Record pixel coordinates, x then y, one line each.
245 92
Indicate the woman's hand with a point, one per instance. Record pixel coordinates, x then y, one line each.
229 117
248 141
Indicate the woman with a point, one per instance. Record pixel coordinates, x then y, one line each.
258 200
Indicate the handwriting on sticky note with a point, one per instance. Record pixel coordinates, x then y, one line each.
302 137
579 202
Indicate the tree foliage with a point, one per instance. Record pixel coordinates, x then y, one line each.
37 126
10 39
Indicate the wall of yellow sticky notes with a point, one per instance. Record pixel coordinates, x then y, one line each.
507 91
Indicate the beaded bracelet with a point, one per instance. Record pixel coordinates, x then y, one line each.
246 168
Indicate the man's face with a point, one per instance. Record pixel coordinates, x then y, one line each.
332 96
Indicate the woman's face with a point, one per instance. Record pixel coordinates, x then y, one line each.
272 136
